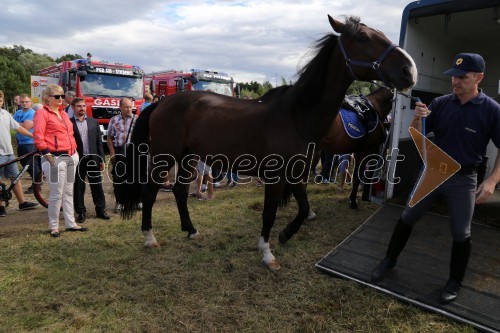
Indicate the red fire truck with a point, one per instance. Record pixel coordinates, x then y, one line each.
101 84
169 82
166 83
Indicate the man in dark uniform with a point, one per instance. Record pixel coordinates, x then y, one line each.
89 147
463 123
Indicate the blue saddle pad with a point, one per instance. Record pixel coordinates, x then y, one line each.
353 125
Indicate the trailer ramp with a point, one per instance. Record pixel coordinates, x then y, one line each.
422 268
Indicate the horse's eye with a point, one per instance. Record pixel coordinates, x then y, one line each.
363 38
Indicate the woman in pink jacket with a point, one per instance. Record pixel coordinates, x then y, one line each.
53 135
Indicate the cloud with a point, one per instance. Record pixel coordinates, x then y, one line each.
250 40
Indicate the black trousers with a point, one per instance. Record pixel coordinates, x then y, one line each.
33 161
88 172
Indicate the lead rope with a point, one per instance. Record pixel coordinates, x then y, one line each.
424 150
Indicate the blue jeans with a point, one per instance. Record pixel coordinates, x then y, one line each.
327 164
344 161
9 171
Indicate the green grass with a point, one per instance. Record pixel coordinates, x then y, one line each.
105 281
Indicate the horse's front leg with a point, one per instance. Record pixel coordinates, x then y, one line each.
300 193
149 192
273 193
181 197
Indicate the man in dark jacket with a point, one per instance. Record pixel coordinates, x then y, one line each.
90 149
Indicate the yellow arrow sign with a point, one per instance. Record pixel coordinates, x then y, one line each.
438 167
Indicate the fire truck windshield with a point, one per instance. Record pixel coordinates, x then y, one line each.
112 86
217 87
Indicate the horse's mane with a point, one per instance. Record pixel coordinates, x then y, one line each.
313 73
273 93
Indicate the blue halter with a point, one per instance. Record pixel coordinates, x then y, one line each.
375 65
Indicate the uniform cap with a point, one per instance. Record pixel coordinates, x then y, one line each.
465 63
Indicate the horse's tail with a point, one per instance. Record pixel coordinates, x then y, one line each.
136 175
286 195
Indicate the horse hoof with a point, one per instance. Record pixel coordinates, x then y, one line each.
195 236
353 206
151 245
273 265
150 241
312 216
283 238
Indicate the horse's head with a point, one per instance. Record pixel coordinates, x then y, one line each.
369 55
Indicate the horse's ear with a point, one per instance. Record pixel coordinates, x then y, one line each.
336 25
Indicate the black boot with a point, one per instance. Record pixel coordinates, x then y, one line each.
398 241
460 253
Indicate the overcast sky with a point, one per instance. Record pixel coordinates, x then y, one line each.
251 40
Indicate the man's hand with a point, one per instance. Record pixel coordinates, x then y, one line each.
421 110
485 191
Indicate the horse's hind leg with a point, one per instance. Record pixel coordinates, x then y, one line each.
272 197
149 192
300 194
181 196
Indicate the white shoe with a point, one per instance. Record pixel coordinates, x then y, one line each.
217 185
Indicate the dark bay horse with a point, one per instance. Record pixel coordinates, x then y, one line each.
337 141
268 139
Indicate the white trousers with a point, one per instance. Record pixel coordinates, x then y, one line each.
60 178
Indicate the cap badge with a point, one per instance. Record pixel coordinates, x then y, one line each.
459 61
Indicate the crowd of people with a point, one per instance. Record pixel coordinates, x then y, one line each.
71 149
72 154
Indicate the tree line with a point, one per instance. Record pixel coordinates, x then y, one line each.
18 63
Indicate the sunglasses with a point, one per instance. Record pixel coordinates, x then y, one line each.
57 96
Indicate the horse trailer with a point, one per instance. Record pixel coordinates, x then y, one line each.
433 32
